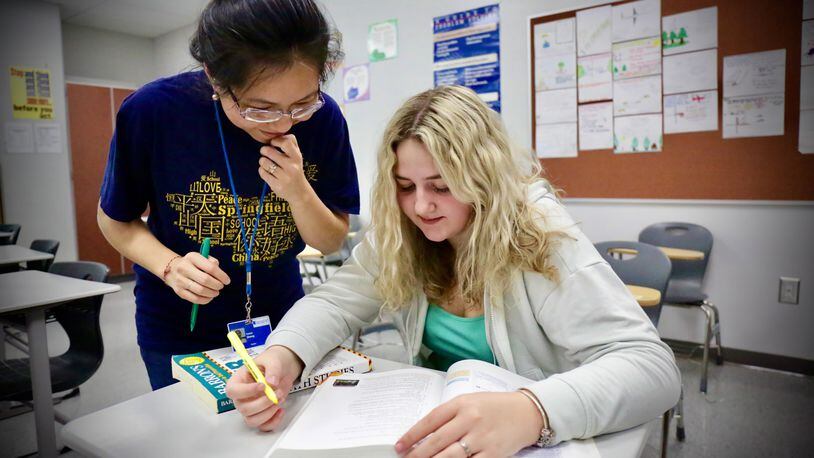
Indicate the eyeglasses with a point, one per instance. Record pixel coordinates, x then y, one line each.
266 116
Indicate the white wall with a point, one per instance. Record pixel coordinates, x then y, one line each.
98 55
171 52
36 188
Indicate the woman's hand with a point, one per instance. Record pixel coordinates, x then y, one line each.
488 424
281 167
281 367
196 278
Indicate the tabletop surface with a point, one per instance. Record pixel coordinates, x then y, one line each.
12 254
173 422
32 288
682 254
646 297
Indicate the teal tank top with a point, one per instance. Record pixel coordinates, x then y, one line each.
452 338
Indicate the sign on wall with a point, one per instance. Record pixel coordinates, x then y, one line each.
466 51
31 93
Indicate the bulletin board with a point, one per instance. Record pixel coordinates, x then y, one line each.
704 165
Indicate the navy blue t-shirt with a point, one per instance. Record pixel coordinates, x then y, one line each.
166 153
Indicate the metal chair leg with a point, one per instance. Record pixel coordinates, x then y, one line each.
707 337
665 432
679 415
716 331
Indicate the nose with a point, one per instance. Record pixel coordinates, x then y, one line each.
283 124
424 205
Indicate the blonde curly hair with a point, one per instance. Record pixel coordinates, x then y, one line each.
470 148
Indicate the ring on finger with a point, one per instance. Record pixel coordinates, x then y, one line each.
465 446
272 169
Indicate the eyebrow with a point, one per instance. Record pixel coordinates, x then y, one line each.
267 102
434 177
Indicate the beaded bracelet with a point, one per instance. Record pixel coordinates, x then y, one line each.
167 268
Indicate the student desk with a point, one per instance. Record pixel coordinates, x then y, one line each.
678 254
173 422
32 292
14 254
646 297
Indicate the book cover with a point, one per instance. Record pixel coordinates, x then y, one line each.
207 372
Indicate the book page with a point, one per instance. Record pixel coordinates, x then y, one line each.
375 411
473 376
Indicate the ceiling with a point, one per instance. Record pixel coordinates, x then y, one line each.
143 18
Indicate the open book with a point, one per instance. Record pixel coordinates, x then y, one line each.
362 415
206 373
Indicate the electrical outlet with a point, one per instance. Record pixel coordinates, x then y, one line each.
789 290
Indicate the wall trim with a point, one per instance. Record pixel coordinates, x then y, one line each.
81 80
749 358
695 202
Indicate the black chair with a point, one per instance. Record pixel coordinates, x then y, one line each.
684 289
80 320
46 246
649 267
15 232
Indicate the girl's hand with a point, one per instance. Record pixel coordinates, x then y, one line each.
196 278
489 424
281 367
281 167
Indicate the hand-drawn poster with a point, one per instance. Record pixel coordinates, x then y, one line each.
596 126
556 140
692 112
637 134
636 20
690 31
807 44
466 51
807 88
594 31
753 115
755 73
382 40
637 96
693 71
637 58
356 80
594 78
805 140
554 55
556 106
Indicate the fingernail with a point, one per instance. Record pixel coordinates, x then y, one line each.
399 447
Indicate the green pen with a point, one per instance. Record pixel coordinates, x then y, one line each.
194 315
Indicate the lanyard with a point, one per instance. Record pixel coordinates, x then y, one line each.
248 246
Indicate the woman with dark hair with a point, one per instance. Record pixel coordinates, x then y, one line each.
247 152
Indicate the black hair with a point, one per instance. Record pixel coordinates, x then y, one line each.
237 40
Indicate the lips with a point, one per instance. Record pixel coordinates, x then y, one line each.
430 220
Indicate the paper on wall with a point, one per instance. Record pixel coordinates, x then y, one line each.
382 40
555 72
594 78
807 88
637 58
805 140
635 134
693 112
690 31
807 44
755 73
594 31
808 9
554 38
19 137
694 71
556 106
637 96
636 20
554 55
47 138
753 115
556 140
596 126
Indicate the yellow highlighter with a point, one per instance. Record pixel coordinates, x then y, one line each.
249 362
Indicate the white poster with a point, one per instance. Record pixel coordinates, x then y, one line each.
356 81
636 20
594 31
807 88
805 140
594 78
807 44
555 72
556 140
808 9
19 137
636 134
690 31
637 96
693 71
47 138
596 126
556 106
382 40
554 38
753 116
693 112
755 73
637 58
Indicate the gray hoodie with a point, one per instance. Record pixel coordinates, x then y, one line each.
598 362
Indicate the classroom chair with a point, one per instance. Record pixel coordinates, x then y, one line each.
46 246
80 320
15 232
646 266
684 288
338 258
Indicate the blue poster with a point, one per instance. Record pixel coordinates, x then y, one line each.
467 52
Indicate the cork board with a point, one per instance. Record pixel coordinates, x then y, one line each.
704 165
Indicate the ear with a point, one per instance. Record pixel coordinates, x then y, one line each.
215 87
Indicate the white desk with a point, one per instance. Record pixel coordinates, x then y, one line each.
173 422
33 291
14 254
